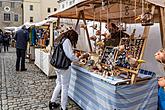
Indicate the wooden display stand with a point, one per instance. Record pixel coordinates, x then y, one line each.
137 50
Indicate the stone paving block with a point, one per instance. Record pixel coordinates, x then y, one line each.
30 90
4 107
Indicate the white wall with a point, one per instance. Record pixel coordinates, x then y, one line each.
40 9
35 13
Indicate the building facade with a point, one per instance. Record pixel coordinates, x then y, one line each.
11 13
62 4
38 10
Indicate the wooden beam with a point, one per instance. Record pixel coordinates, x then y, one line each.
58 21
83 17
162 26
145 35
133 78
100 30
79 15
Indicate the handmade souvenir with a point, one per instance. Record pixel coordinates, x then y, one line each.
98 32
100 43
120 48
78 53
146 19
85 55
83 26
93 38
90 62
83 61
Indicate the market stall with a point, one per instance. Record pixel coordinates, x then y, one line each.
112 79
40 43
43 45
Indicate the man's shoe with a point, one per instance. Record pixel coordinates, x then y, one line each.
53 105
24 69
17 69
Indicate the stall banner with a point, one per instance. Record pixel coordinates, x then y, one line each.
93 93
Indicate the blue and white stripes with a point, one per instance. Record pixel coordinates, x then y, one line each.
92 93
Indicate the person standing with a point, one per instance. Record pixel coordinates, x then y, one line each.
1 40
21 38
6 39
115 35
69 40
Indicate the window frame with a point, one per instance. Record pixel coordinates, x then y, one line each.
7 17
31 19
16 17
1 3
49 10
55 9
31 7
12 4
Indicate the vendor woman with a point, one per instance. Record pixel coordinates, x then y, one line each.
114 35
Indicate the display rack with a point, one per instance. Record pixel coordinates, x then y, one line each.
135 48
108 55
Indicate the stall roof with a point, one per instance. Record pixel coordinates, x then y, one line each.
93 10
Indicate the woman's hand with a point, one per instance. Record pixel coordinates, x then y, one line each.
83 56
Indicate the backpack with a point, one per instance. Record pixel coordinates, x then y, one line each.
59 60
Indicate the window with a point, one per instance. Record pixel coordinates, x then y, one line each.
49 10
73 1
63 5
70 3
55 9
6 16
31 19
12 5
15 17
31 7
0 3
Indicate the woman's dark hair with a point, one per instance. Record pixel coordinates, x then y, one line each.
114 26
71 35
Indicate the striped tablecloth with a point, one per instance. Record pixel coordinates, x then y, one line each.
91 92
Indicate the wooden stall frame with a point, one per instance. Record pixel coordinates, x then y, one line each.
81 16
87 4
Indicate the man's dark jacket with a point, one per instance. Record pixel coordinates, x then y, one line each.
21 38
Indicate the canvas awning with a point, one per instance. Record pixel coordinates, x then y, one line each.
124 10
160 3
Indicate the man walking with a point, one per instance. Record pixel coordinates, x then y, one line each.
21 38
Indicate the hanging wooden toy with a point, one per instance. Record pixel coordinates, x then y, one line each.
146 17
83 26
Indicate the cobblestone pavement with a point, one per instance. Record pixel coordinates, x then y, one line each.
30 90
